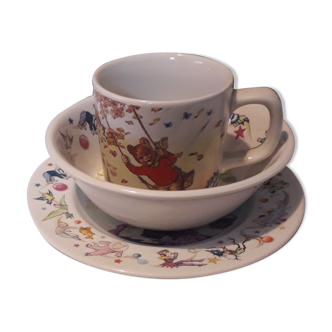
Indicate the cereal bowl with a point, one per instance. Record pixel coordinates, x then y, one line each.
73 144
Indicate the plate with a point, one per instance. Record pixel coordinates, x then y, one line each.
73 225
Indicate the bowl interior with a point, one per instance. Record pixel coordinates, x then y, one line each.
77 141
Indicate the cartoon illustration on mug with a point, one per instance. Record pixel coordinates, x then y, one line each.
158 166
156 162
148 156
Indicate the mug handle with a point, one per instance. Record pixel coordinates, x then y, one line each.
270 99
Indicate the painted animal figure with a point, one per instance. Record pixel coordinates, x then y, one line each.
106 247
158 165
87 118
226 252
51 175
238 251
87 232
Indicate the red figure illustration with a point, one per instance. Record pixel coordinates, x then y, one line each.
158 166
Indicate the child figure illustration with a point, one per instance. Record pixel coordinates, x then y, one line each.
158 165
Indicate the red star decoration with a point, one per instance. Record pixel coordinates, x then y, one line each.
49 164
76 245
118 261
239 132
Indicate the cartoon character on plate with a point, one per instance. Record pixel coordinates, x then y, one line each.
158 166
63 230
50 176
170 257
105 247
62 209
87 232
48 197
230 252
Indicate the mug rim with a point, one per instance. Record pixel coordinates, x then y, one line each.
128 100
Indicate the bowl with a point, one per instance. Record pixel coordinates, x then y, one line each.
73 144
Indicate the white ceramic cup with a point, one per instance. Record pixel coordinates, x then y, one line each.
162 119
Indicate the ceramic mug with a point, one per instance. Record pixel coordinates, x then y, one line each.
162 120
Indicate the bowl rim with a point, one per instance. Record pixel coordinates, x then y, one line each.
50 138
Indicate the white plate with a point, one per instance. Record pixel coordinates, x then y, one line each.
261 226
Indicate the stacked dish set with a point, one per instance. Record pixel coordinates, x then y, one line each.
167 171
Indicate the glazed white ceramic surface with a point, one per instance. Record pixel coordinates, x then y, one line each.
75 150
164 118
72 224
